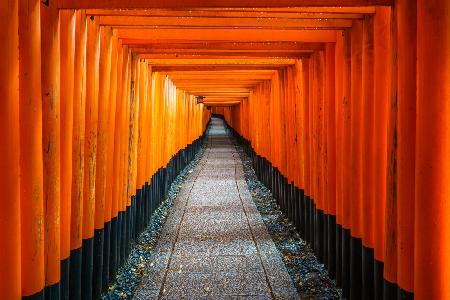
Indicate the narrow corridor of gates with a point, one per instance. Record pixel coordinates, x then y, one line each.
342 105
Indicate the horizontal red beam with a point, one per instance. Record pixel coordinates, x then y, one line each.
238 35
239 55
215 68
195 22
214 45
285 13
214 3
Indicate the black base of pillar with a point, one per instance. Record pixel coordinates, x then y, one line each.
65 279
378 270
87 269
355 268
53 292
331 246
367 271
338 255
106 255
113 263
75 274
345 263
98 264
404 295
389 290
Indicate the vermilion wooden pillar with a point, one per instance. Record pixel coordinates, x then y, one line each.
51 146
31 160
381 98
110 215
339 62
78 146
123 193
390 250
299 102
101 156
90 152
356 182
126 175
312 152
331 157
368 193
142 130
10 260
346 163
151 132
134 119
67 38
406 100
141 179
320 142
116 214
400 213
432 218
306 146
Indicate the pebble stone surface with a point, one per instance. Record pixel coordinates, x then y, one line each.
214 244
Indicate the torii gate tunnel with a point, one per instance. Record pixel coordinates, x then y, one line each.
344 107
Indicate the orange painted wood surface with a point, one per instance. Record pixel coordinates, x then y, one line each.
10 211
91 124
406 140
101 158
346 99
367 154
356 137
78 144
432 190
51 139
32 215
390 249
111 177
381 93
330 116
67 41
217 3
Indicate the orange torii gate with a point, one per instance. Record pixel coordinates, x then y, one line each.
343 106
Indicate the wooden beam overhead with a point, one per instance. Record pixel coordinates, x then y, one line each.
241 72
218 100
214 45
223 99
302 9
224 94
216 82
213 51
195 22
218 90
239 55
223 75
223 13
234 35
214 3
230 103
212 77
206 68
222 62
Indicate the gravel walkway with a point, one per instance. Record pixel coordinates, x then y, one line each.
215 244
310 277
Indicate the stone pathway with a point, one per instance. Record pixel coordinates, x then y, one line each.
215 244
